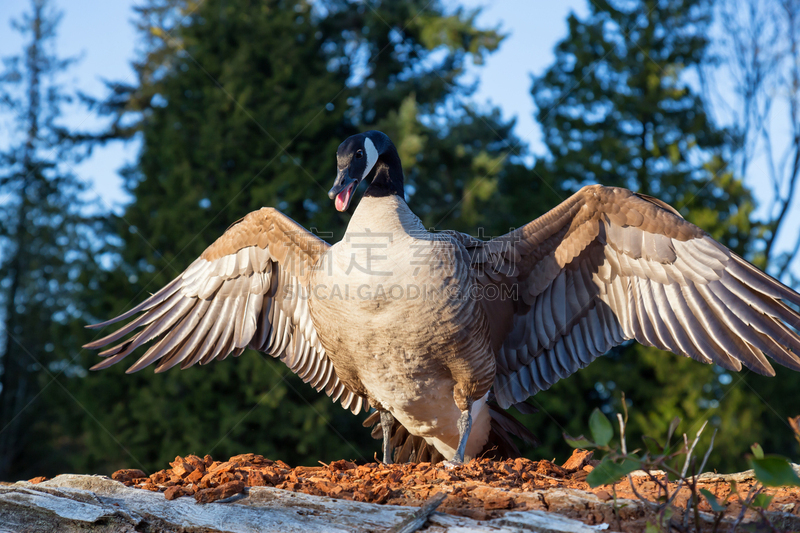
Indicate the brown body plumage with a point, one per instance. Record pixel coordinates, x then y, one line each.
422 325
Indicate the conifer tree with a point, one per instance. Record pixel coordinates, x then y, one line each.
47 247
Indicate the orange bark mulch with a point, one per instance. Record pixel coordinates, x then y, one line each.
480 489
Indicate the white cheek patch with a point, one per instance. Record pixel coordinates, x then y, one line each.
372 156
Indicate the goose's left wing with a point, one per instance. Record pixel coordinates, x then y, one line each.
608 265
248 289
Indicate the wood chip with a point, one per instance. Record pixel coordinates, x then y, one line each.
127 474
578 460
174 492
603 495
219 493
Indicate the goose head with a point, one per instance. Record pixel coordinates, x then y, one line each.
369 155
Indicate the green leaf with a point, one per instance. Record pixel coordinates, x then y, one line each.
762 501
608 472
774 471
579 442
757 450
712 501
600 427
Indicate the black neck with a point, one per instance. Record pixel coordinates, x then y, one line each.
388 175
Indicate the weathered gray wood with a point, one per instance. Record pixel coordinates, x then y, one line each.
72 503
418 519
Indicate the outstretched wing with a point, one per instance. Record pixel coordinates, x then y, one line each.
248 289
608 265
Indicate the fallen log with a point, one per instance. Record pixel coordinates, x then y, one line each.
72 503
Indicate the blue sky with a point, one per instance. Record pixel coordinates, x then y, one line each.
102 33
534 28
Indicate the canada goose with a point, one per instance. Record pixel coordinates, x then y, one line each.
421 326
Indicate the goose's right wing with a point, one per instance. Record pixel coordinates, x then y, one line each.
248 289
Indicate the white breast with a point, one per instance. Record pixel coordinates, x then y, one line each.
389 279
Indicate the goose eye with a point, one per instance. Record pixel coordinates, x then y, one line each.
359 154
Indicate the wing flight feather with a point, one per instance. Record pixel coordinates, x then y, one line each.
609 265
246 290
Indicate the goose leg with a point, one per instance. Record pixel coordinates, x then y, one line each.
387 421
464 427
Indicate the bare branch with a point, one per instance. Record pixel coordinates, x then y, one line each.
691 449
761 52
